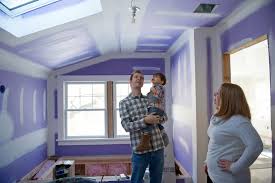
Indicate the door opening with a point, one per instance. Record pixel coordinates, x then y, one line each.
249 68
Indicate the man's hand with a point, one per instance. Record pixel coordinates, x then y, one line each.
151 119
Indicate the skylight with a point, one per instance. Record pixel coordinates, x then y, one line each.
44 17
205 8
15 8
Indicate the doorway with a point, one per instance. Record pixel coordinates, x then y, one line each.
248 66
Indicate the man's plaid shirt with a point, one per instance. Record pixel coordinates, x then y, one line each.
132 111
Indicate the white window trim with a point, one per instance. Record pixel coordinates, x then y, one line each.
61 120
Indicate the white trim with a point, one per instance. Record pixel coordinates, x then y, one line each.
60 113
244 10
98 141
14 63
86 63
201 125
172 27
117 78
153 36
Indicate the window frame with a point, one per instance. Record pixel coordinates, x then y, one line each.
113 139
66 109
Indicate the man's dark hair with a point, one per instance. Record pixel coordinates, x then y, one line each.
162 77
134 72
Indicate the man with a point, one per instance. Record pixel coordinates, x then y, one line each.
133 114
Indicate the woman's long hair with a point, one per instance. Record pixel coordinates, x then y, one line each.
232 101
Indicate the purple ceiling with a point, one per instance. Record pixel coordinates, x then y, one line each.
161 24
179 13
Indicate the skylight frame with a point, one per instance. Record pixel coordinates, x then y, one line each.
25 7
13 4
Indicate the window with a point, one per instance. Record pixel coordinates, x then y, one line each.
89 113
85 109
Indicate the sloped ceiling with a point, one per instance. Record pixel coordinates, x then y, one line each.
158 25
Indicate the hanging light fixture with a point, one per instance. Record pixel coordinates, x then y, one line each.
134 10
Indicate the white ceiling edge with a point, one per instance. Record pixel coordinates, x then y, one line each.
162 37
104 58
14 63
24 25
172 27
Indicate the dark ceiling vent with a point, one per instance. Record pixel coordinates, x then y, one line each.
205 8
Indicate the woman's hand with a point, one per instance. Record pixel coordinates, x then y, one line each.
205 169
224 164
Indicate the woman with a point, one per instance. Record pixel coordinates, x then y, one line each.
234 143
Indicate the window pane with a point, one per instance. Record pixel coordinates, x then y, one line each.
98 102
86 123
80 89
98 90
80 102
122 89
118 100
85 96
120 129
146 88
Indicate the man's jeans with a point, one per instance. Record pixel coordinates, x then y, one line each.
154 159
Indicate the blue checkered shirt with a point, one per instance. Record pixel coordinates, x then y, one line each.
132 111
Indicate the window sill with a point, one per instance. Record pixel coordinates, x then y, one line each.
98 141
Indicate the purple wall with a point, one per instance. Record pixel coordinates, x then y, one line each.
20 167
15 138
182 101
260 23
252 27
120 66
109 67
